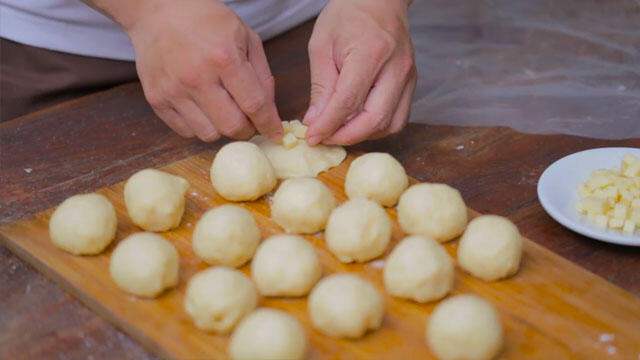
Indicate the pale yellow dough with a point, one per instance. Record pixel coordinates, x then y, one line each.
155 199
285 265
358 230
219 297
490 248
144 264
345 306
302 205
420 269
83 224
241 172
376 176
301 160
464 327
268 334
226 235
436 211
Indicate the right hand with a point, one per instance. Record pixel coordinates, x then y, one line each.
204 71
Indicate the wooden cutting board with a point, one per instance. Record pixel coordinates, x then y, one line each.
552 309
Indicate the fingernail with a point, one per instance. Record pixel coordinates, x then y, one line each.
311 113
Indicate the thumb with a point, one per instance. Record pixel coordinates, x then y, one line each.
324 76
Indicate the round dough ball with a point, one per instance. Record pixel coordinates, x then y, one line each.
490 248
241 172
285 265
227 235
419 269
464 327
268 334
378 177
83 224
436 211
217 298
358 230
343 305
144 264
302 205
155 199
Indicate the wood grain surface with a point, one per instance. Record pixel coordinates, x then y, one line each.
550 309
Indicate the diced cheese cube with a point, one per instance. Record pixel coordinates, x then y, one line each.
629 159
580 208
289 141
625 197
583 191
616 223
286 126
620 211
629 227
635 203
594 205
632 170
601 221
298 129
599 181
635 216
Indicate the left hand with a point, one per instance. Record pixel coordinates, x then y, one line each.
362 71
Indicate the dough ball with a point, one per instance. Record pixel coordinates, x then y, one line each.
83 224
227 235
436 211
285 265
144 264
358 230
268 334
217 298
302 205
378 177
419 269
345 306
155 199
241 172
464 327
301 160
490 248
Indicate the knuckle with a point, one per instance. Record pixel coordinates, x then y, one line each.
382 47
233 129
222 57
191 78
317 88
170 90
406 64
349 101
254 104
396 128
210 136
156 100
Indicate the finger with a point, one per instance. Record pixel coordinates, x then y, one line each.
354 83
171 117
401 116
216 103
324 76
258 60
379 107
196 120
242 82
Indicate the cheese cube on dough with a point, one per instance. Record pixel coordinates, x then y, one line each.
289 141
616 223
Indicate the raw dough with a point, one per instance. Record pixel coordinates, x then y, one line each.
436 211
419 269
227 235
344 305
268 334
144 264
155 199
285 265
217 298
242 172
464 327
378 177
358 230
490 248
83 224
302 205
302 160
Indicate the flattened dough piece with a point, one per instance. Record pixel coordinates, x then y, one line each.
301 160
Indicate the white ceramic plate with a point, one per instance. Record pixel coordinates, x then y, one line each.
557 191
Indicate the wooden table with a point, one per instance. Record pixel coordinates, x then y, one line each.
102 139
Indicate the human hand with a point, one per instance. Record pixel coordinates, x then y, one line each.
362 71
204 71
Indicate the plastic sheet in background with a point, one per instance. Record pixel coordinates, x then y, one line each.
537 66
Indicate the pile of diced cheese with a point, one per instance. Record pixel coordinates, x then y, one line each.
611 198
294 130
